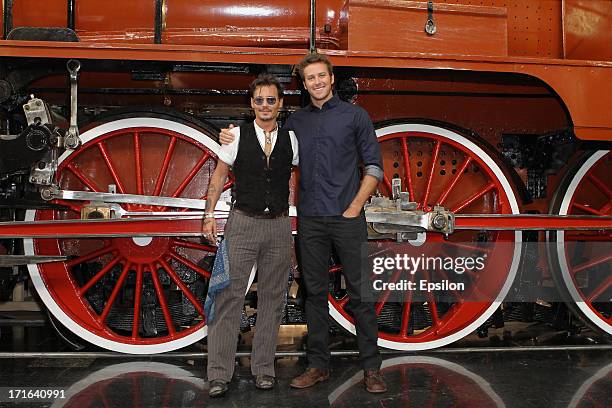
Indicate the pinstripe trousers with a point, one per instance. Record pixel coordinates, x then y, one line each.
250 240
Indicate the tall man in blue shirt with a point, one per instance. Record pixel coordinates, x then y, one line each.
335 138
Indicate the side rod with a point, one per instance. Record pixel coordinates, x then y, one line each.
191 226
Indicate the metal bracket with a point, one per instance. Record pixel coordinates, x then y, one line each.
42 173
430 25
393 217
72 140
36 112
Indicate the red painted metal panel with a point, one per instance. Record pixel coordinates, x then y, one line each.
395 26
587 29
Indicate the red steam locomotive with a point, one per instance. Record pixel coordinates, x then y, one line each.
497 111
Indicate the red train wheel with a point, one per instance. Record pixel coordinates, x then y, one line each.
135 295
439 166
583 258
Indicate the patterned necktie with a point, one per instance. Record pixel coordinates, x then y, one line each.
268 146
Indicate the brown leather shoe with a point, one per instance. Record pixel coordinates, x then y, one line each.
309 378
374 381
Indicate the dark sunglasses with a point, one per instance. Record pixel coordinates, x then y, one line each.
271 100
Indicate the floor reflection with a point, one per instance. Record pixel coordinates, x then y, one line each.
595 391
418 381
136 384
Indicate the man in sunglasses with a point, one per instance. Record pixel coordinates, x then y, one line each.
336 138
258 230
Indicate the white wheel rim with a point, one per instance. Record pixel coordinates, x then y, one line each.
563 263
577 398
403 128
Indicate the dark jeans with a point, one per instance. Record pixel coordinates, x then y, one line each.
316 237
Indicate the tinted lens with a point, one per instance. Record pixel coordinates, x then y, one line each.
270 100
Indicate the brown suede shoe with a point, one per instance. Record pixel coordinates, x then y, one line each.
374 381
309 378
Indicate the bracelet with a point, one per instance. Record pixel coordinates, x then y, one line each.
208 215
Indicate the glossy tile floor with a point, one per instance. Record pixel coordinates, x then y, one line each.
451 377
455 379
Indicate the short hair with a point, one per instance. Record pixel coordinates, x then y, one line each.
266 80
314 58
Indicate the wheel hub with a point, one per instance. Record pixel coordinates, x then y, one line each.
143 250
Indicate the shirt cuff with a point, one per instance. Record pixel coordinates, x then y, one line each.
374 171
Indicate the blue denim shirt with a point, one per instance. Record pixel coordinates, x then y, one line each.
334 141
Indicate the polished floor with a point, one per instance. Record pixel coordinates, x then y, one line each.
455 379
530 366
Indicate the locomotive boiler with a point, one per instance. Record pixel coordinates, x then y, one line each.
492 115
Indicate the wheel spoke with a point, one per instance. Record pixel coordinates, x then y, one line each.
454 181
190 264
407 169
601 186
383 298
177 280
138 163
433 306
406 311
164 169
588 209
99 275
589 264
227 185
137 301
453 291
387 183
162 300
473 197
194 171
84 179
115 292
194 245
432 168
111 167
600 289
92 255
433 309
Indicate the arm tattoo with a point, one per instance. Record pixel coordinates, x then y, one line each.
212 190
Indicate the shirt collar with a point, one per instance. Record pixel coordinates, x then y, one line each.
258 129
333 102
